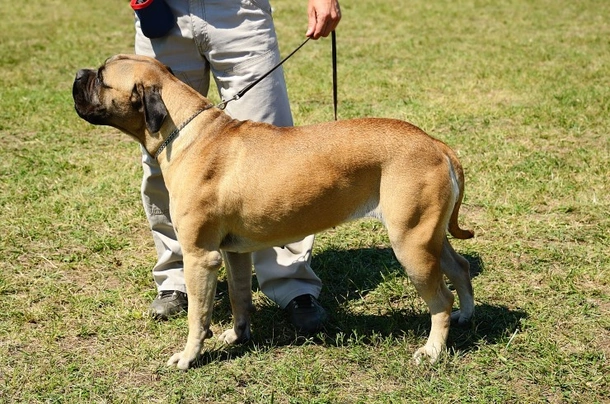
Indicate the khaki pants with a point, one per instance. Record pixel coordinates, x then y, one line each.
235 41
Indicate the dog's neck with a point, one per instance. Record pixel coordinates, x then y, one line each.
174 134
179 117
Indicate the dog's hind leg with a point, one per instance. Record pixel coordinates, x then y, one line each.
200 274
239 275
457 270
419 253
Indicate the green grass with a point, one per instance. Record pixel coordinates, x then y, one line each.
520 89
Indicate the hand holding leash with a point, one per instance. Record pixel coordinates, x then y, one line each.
324 16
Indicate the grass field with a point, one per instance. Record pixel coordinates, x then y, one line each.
520 89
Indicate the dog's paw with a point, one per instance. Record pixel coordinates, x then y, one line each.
231 337
460 318
181 360
430 353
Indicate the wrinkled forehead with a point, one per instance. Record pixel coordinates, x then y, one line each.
129 69
131 62
138 59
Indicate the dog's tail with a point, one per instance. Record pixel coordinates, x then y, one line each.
457 174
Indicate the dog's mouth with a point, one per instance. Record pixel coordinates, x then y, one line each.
83 90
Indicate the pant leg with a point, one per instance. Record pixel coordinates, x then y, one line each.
241 45
179 51
237 57
167 272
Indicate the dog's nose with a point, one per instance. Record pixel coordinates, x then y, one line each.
81 74
80 84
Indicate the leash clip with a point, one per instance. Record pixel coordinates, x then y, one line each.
223 104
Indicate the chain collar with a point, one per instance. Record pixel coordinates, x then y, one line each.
176 131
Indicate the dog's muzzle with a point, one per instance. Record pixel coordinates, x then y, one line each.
83 90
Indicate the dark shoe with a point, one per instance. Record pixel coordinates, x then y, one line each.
168 303
306 314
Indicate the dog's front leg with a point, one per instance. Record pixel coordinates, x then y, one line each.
239 277
201 275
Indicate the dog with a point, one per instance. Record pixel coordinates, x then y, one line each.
239 186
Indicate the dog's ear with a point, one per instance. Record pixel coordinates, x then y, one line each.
155 111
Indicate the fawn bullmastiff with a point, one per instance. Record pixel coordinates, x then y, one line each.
241 186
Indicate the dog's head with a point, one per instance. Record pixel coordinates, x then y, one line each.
125 93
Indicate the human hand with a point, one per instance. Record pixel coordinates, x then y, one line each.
324 16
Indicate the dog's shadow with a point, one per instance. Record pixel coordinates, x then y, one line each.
350 275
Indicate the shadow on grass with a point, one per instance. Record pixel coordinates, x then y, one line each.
356 272
350 275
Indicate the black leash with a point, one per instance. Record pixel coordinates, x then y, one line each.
223 104
333 37
241 93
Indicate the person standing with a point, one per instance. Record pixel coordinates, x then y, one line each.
235 41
